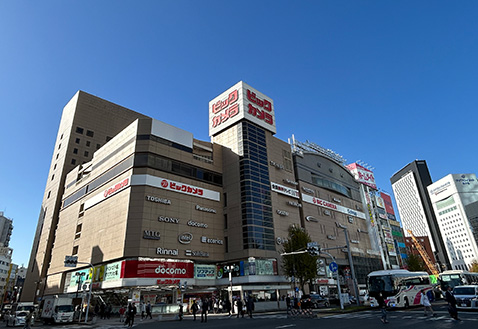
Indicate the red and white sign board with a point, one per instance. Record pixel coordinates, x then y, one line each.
241 101
329 205
170 185
362 175
157 269
108 192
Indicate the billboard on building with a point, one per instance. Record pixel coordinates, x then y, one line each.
362 175
241 101
387 200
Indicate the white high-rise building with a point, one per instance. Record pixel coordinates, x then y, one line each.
455 203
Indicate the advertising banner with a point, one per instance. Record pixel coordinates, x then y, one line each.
241 101
329 205
362 175
112 271
157 269
204 271
387 200
284 190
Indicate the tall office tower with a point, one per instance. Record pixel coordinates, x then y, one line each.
409 186
6 228
455 203
87 123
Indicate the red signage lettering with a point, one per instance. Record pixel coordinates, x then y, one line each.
251 96
220 105
116 188
228 113
262 115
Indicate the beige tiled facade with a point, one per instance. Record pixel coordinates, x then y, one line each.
128 192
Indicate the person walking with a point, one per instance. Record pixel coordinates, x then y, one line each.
451 304
228 306
148 311
142 309
194 309
103 310
425 301
250 306
239 307
181 312
122 311
287 303
131 314
383 308
28 320
204 307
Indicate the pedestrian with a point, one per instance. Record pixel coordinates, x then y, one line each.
131 314
425 301
142 309
451 304
97 309
180 315
103 310
239 307
383 307
228 306
109 310
194 309
287 303
122 311
250 306
28 320
148 311
204 308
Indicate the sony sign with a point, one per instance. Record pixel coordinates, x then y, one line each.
241 101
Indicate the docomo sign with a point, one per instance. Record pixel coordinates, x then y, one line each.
241 102
158 269
362 175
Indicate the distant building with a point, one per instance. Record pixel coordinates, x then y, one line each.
409 186
455 203
6 227
5 270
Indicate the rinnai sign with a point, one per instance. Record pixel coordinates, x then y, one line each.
108 192
326 204
241 101
171 185
362 175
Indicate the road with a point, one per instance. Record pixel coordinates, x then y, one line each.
412 318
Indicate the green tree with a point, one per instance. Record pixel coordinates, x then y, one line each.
303 267
415 263
474 266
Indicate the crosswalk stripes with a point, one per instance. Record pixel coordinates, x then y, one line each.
408 317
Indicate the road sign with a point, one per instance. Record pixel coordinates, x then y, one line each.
71 261
333 267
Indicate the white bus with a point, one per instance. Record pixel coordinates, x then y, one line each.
457 278
400 288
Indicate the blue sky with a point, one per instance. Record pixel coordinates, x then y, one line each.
386 82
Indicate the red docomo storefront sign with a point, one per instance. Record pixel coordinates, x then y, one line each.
158 269
116 188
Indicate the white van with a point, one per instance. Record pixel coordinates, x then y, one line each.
466 297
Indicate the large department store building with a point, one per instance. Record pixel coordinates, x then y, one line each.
161 216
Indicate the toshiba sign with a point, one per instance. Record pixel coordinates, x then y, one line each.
241 101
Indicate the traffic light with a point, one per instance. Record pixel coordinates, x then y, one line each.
313 250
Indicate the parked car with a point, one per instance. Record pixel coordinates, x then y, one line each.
17 319
316 300
466 297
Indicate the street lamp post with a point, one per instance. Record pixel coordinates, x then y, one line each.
230 268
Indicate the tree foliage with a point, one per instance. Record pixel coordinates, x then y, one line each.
303 267
474 266
415 263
